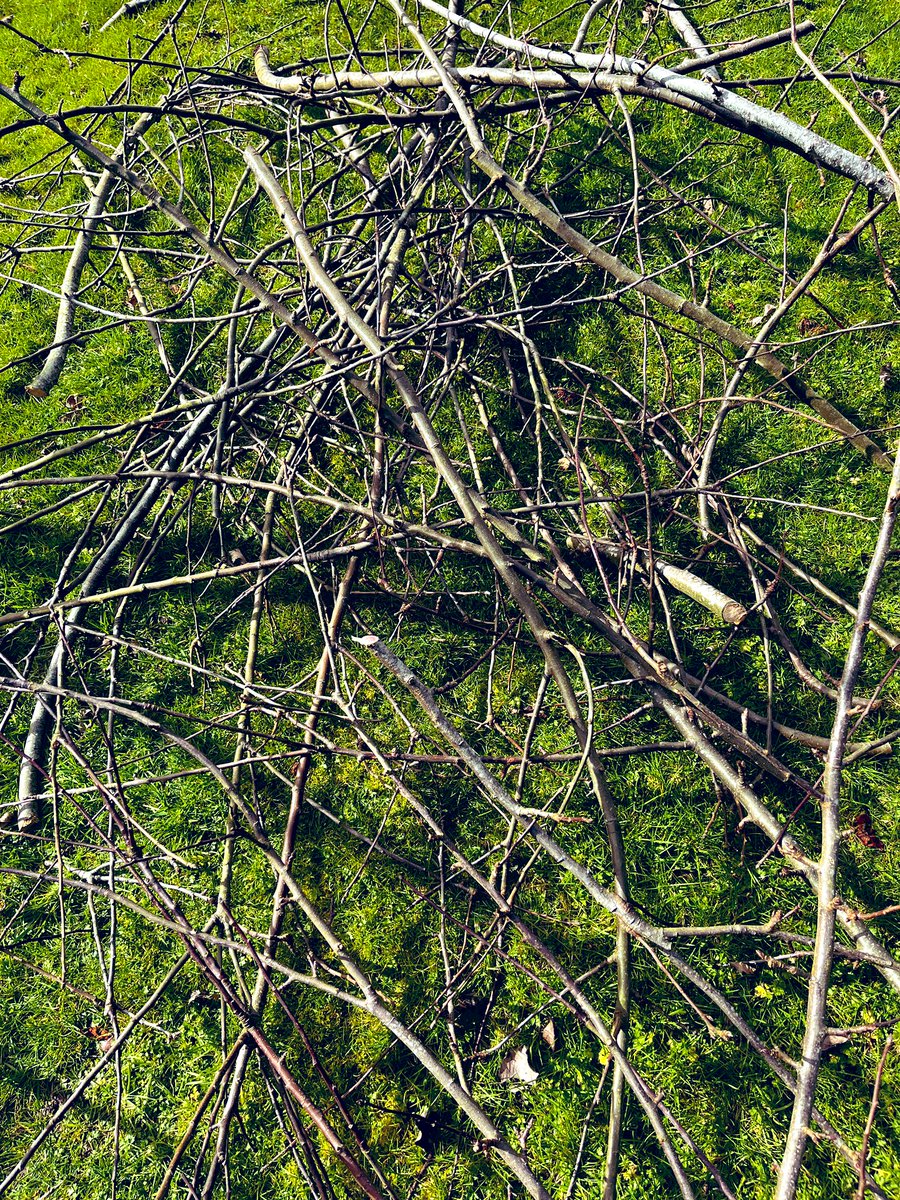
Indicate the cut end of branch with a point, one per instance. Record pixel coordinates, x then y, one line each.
734 613
29 816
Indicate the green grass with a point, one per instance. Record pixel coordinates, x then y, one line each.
690 864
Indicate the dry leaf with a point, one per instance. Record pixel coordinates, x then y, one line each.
548 1034
102 1037
862 827
564 395
517 1067
744 968
810 328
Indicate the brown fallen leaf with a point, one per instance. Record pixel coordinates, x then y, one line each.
745 968
862 827
810 328
102 1037
516 1067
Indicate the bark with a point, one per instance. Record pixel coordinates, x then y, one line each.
734 110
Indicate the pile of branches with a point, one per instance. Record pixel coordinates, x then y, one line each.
379 430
